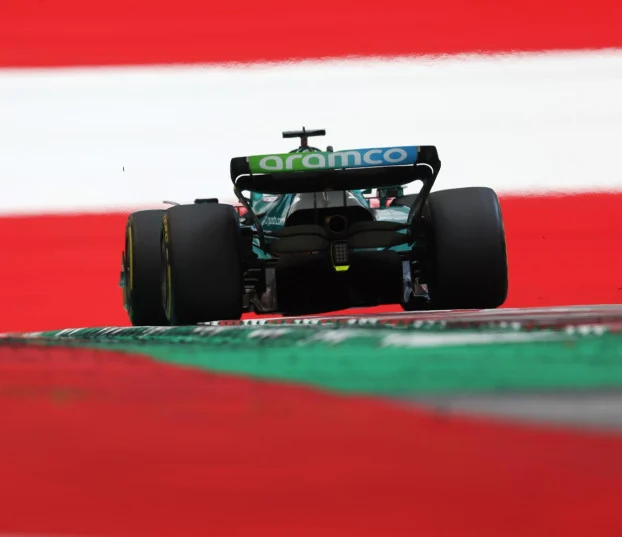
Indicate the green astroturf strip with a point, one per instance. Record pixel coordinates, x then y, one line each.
379 359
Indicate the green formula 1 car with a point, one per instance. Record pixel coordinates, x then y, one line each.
308 237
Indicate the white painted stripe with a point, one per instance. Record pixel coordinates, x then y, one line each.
459 339
522 123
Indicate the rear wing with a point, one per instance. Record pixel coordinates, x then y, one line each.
316 171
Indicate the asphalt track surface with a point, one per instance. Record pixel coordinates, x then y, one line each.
606 315
167 451
593 408
600 409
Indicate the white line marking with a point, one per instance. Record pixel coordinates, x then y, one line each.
123 137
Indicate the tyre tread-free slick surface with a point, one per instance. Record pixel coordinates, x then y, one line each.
468 266
142 268
202 254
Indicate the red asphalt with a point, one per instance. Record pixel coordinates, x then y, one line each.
96 443
102 444
75 32
64 270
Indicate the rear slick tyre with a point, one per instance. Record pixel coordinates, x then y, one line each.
467 260
143 294
202 264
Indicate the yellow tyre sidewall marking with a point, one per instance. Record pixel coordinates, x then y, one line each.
169 277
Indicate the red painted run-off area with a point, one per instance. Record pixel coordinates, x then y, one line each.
72 32
98 444
119 446
64 271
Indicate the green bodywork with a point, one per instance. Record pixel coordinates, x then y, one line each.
272 212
